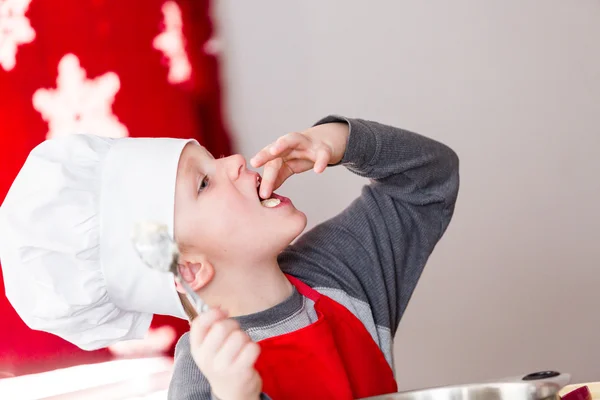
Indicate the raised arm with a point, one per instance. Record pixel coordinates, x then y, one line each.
376 249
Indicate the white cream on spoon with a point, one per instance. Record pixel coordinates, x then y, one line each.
158 250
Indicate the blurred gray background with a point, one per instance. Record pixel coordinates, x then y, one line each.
514 87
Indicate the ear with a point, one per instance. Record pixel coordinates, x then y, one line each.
197 273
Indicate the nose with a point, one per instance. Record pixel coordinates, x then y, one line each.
234 166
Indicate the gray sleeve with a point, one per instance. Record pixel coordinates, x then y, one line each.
376 249
187 382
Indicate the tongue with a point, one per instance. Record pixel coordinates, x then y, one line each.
270 203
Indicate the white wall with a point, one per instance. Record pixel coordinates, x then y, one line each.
514 87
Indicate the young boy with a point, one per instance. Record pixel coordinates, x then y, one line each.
314 319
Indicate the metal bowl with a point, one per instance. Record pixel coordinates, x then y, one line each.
546 387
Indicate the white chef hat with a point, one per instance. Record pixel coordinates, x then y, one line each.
65 237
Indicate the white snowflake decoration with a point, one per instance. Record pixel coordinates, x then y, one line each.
78 104
15 30
171 43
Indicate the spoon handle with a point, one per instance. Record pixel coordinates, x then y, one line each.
198 303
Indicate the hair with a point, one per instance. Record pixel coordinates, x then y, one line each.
189 309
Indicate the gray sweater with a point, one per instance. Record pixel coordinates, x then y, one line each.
369 257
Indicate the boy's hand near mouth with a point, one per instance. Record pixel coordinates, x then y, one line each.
315 148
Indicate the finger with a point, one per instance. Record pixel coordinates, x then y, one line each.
261 157
230 350
247 356
293 140
216 336
292 167
270 173
284 173
280 148
322 159
201 325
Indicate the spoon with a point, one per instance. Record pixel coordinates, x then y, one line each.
158 250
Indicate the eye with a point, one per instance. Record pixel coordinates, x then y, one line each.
203 184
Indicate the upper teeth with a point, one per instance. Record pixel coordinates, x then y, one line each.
270 203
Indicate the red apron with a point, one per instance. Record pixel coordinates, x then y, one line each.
333 358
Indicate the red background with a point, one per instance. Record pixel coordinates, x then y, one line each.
106 35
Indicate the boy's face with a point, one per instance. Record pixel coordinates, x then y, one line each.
218 212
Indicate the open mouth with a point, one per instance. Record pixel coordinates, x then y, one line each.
271 202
